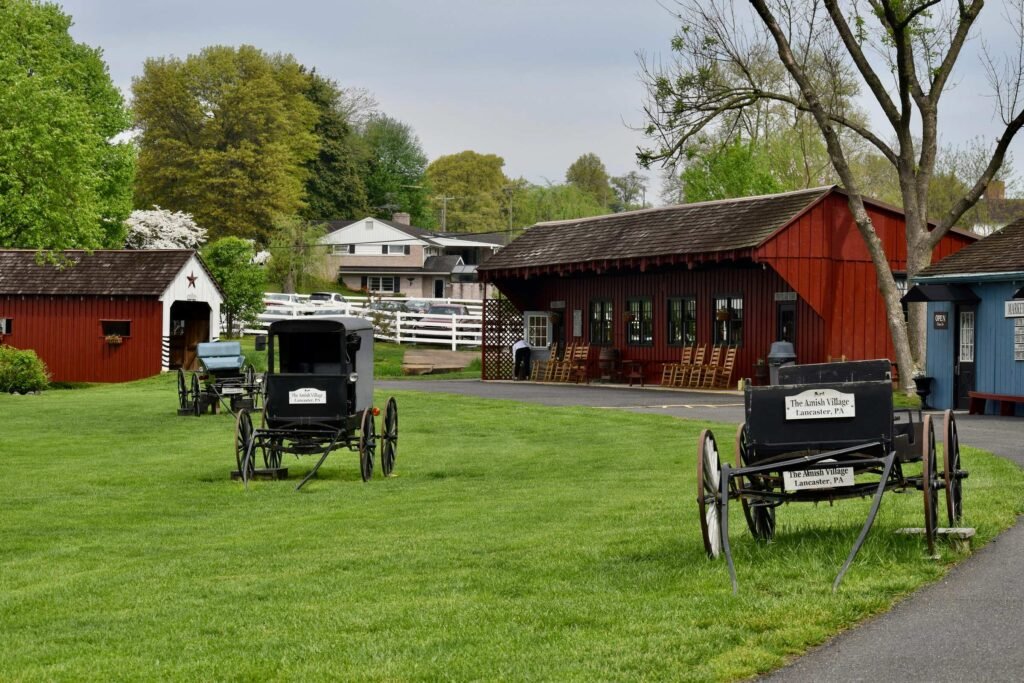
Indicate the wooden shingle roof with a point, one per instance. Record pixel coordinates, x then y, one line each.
141 272
1000 252
703 228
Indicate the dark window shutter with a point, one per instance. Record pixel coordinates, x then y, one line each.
362 282
384 249
408 250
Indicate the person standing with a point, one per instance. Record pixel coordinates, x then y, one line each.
521 354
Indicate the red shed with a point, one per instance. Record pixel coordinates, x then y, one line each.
108 316
745 272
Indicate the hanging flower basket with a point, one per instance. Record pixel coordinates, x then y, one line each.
114 339
723 314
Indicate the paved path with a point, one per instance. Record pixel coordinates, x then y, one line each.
967 627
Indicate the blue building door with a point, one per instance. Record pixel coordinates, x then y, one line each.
963 354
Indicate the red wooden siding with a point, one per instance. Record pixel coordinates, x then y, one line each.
756 285
66 333
822 256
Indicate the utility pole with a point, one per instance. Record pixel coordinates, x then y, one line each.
444 210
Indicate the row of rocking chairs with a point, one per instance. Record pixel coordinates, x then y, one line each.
696 372
571 367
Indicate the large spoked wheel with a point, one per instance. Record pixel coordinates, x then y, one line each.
951 469
929 483
244 446
182 391
759 515
367 444
709 477
389 438
196 405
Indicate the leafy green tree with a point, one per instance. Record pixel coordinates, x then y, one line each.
470 191
736 170
537 203
396 167
294 252
588 174
63 183
630 191
230 261
226 136
335 188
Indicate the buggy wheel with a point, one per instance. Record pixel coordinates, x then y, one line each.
709 477
244 444
929 483
182 391
249 375
951 469
272 454
196 406
760 517
367 444
389 437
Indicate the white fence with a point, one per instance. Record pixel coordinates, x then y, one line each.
401 327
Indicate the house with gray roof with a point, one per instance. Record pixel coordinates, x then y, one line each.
395 258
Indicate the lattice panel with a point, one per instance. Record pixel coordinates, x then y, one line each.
503 325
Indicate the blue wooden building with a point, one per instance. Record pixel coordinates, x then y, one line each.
976 323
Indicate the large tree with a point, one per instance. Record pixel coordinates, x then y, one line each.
335 187
589 174
470 191
295 252
226 136
64 182
901 53
536 203
396 168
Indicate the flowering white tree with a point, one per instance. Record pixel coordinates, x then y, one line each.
163 229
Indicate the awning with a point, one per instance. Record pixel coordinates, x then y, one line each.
951 292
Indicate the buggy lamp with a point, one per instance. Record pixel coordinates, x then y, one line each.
376 411
353 377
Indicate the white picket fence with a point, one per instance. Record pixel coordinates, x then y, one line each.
400 327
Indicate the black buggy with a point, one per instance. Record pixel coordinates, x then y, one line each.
318 398
827 432
224 378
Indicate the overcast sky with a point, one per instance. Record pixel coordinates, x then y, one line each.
538 82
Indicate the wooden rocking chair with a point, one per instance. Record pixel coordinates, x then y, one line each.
670 371
707 373
693 373
723 374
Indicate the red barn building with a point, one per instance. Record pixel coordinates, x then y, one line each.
742 272
108 316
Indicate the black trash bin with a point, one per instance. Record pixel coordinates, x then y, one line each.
782 353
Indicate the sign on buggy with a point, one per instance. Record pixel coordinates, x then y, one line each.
818 404
307 395
823 478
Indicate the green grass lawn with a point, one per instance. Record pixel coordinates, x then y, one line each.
516 542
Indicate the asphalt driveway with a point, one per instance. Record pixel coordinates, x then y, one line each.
967 627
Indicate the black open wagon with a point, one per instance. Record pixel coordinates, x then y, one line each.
827 432
224 377
318 398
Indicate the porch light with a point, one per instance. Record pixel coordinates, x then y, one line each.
353 377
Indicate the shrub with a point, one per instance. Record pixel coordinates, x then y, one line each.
21 371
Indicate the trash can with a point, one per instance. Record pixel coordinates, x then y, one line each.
782 353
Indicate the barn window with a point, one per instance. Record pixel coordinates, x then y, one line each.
600 322
639 322
682 321
5 325
121 328
728 312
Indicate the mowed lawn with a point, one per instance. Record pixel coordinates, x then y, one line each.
517 542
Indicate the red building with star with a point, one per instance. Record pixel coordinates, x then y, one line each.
109 316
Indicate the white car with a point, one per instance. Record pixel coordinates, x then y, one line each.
326 299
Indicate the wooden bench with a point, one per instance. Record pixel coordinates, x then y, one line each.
1005 401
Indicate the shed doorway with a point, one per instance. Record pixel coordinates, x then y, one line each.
190 325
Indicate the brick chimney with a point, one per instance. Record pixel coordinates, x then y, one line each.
401 217
996 190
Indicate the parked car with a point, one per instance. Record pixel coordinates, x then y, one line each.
276 299
393 306
417 305
327 299
438 319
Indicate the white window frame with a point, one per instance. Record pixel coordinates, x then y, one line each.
966 323
535 320
394 279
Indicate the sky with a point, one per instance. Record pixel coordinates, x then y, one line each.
537 82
